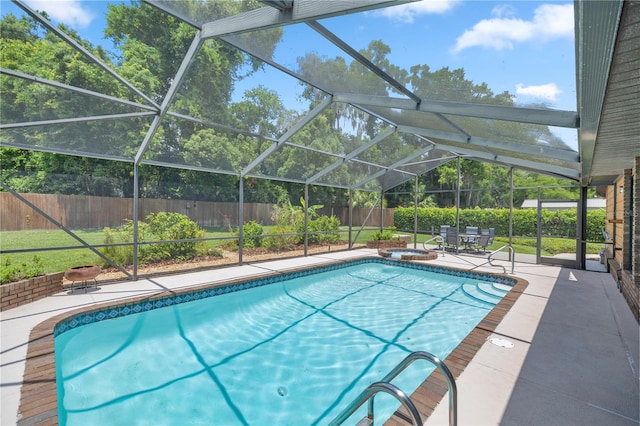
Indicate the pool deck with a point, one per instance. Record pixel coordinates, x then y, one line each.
574 361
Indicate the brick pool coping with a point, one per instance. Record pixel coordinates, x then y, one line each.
38 394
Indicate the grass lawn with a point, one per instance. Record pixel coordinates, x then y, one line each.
60 260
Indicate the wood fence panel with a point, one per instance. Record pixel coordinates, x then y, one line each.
88 212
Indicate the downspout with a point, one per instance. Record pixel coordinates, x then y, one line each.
306 218
381 210
350 217
136 208
458 202
415 214
581 248
240 219
510 209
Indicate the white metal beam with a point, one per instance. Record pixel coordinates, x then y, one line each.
293 130
517 162
394 167
351 155
172 12
171 93
546 117
220 126
302 10
81 49
320 29
485 143
58 85
74 120
57 150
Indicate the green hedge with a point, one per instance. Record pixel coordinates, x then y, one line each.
556 223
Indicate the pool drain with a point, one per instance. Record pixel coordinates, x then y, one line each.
282 391
501 342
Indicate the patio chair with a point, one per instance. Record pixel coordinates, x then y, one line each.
471 230
491 232
482 242
451 238
470 241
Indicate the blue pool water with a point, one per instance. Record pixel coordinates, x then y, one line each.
295 352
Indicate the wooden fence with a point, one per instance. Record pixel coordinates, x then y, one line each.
88 212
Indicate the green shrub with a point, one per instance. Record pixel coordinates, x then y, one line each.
215 251
275 241
290 219
385 234
324 229
252 232
174 226
11 273
123 254
288 216
160 227
557 222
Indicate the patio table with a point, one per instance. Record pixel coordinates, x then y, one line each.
468 239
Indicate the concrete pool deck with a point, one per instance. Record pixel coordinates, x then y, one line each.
574 360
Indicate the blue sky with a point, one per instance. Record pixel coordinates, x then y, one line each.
524 47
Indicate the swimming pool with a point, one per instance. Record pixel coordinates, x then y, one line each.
264 356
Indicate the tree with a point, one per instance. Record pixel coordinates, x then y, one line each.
151 47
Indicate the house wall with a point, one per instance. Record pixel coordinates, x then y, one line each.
623 225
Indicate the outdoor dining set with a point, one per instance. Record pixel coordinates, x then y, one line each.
472 239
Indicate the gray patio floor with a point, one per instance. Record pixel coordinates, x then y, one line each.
574 361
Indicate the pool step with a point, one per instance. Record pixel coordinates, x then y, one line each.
504 287
489 288
475 292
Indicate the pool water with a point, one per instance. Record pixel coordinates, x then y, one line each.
292 353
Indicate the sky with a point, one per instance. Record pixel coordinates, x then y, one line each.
524 47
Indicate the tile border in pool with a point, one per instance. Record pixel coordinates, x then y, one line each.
38 396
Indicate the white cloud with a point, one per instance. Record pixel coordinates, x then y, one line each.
554 20
548 91
504 10
69 12
550 21
408 11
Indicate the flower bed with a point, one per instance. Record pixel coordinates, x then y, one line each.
378 244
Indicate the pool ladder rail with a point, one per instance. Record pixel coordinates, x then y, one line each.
439 240
384 386
512 256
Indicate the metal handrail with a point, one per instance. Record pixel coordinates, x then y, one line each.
438 239
451 383
512 256
369 393
385 386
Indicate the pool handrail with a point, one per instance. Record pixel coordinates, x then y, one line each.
512 256
438 239
451 383
408 360
369 393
